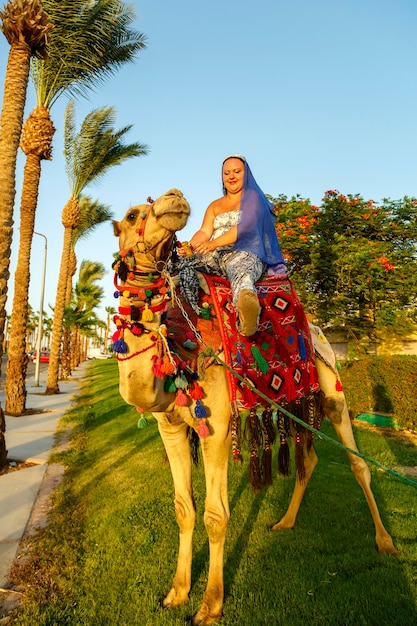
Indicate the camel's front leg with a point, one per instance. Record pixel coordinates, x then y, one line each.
337 411
215 450
174 434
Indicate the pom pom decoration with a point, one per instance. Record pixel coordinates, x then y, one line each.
167 367
157 366
203 430
181 399
190 345
181 382
142 422
169 385
196 391
122 271
205 314
339 386
200 410
120 346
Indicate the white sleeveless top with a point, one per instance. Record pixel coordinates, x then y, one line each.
224 222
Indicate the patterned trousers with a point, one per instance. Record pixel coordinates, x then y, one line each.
241 268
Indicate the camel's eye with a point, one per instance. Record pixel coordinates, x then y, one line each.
131 217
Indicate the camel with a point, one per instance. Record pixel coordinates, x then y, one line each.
146 238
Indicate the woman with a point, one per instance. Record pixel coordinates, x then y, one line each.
237 240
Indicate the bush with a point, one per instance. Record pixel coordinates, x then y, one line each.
384 384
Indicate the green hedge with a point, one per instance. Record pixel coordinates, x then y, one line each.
386 385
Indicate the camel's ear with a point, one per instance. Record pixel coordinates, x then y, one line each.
171 210
116 228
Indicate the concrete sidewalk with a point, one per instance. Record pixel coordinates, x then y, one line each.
30 438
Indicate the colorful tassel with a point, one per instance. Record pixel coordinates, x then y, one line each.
120 346
122 271
299 457
200 410
302 346
267 466
169 385
339 386
181 382
284 451
167 367
196 392
142 422
181 399
147 315
260 360
156 367
190 345
203 429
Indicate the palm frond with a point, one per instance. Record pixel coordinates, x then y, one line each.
92 214
89 42
96 148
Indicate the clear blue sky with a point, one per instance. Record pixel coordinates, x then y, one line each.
317 94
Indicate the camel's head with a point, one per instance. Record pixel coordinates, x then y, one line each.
148 229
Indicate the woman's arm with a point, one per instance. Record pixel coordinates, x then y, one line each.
226 239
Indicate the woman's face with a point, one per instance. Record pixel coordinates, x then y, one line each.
233 175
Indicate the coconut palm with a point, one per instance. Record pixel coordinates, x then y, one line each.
110 312
26 27
89 154
79 315
92 214
89 42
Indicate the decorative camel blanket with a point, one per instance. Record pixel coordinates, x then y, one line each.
278 360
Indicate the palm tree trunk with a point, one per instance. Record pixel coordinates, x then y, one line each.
17 358
66 364
70 219
3 450
36 142
66 361
14 98
53 367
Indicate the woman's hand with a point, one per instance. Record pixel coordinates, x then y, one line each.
205 246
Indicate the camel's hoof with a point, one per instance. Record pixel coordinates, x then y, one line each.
385 546
172 601
281 526
202 619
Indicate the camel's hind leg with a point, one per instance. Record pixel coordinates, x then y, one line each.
310 462
336 410
174 433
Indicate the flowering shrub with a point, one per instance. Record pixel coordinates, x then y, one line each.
353 262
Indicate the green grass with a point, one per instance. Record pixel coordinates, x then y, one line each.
108 555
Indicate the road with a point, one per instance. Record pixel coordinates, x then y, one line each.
30 372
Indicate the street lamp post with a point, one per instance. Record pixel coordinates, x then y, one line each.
39 337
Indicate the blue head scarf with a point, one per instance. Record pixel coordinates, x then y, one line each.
256 228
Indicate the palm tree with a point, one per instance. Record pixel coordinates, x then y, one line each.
110 312
89 155
90 41
80 316
92 214
26 27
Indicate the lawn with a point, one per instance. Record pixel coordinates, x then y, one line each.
108 554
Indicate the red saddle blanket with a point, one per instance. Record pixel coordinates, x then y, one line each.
278 360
